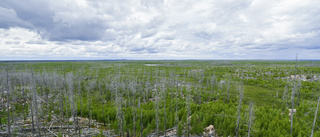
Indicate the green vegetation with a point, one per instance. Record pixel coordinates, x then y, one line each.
130 98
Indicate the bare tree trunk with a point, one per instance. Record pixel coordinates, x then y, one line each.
239 112
31 107
8 102
212 83
141 123
157 116
250 118
176 108
228 90
315 118
61 109
67 112
89 98
134 116
165 117
122 117
79 95
71 99
284 98
188 97
37 115
298 93
293 92
2 105
23 97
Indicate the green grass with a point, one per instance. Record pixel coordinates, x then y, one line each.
259 95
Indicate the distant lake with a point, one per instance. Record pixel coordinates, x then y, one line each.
152 64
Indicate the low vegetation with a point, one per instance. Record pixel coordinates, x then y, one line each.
130 98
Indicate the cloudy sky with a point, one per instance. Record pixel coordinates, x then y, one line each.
159 29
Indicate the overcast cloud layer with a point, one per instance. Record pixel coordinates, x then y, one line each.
159 29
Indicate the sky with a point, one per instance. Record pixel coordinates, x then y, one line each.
159 29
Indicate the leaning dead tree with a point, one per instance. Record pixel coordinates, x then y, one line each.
315 118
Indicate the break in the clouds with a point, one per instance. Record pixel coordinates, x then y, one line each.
159 29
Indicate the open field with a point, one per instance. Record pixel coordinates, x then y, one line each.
157 98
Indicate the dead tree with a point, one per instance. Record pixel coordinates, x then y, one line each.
315 118
134 108
201 86
80 98
284 98
298 94
90 87
239 111
118 104
188 97
228 90
8 101
176 105
61 105
293 92
31 103
212 83
23 96
103 101
250 119
35 103
164 103
141 122
157 114
71 98
2 105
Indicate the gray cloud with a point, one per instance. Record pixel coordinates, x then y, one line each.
203 29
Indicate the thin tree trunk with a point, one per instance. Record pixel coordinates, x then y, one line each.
31 107
33 101
37 115
293 92
188 97
61 109
139 107
67 112
315 118
8 103
157 117
239 112
89 107
79 95
165 117
250 118
134 113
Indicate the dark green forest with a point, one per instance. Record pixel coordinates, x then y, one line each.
160 98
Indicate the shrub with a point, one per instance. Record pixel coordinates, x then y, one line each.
308 77
179 131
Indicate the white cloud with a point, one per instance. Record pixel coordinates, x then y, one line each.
203 29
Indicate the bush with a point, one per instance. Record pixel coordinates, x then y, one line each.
308 77
179 131
49 117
